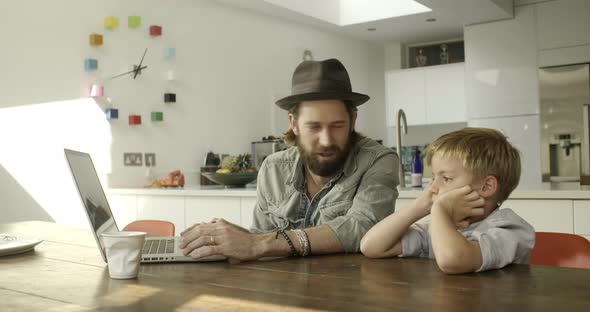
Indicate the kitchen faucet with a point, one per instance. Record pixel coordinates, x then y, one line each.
400 116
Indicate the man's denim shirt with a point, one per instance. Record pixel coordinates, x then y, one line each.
364 194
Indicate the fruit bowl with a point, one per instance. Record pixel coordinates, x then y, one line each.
234 179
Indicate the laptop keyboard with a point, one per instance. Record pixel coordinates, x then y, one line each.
158 246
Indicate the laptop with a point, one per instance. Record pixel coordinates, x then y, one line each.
96 206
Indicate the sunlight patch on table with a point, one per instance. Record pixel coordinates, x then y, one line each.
129 295
210 302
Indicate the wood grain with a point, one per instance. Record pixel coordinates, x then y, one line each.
66 273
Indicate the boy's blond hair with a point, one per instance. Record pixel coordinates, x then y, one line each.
484 152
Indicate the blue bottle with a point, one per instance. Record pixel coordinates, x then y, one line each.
417 169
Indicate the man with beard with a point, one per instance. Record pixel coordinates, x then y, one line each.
320 196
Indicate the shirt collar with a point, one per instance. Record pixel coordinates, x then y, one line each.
350 164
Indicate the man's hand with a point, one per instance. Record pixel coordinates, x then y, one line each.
220 238
460 204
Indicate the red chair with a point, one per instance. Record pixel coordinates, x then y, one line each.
152 227
562 250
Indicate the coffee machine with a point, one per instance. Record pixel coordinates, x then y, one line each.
565 157
268 145
565 134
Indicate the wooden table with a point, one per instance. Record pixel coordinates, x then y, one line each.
66 273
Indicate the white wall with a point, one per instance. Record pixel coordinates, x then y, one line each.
229 64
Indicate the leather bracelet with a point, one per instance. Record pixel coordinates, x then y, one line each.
303 242
308 242
293 250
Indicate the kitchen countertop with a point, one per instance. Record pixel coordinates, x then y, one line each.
565 190
195 190
548 191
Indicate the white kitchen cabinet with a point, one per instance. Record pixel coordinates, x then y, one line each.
247 211
205 208
562 32
445 94
582 217
563 23
545 215
157 207
523 132
404 89
501 70
428 95
124 208
564 56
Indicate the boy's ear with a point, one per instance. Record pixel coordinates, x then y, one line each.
489 186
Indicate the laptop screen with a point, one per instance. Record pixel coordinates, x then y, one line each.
92 195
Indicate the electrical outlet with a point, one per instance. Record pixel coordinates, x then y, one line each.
132 159
150 159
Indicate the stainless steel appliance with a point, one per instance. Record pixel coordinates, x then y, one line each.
268 145
401 115
565 152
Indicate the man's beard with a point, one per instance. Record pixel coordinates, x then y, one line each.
326 168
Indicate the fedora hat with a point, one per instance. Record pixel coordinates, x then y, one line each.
321 80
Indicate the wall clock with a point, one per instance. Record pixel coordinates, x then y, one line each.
129 66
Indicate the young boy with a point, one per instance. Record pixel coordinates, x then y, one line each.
473 171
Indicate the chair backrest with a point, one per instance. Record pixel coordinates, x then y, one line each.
561 249
152 227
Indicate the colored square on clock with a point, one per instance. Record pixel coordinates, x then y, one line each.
169 53
157 116
95 40
96 90
134 21
112 113
169 97
170 75
134 120
111 22
90 64
155 30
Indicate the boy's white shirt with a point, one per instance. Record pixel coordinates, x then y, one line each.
503 236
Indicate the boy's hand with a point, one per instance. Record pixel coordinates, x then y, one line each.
423 203
460 204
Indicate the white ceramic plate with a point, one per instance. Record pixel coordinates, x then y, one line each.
11 244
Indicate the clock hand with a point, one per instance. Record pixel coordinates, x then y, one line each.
129 72
139 66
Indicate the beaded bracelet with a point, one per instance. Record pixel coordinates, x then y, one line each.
293 250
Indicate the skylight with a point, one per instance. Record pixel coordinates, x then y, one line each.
362 11
349 12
